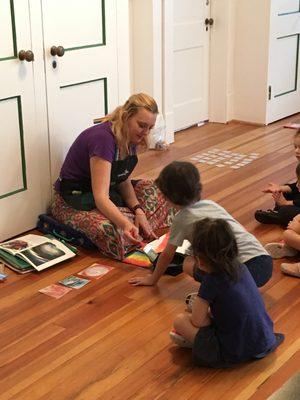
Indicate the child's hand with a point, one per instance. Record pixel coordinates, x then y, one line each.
272 188
146 280
279 199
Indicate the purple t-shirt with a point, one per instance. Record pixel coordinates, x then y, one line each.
97 140
243 326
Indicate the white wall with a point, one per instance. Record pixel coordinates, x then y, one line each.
146 41
250 60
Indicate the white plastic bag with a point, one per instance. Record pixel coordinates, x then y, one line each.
157 137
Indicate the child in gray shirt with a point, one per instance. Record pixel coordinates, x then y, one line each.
180 184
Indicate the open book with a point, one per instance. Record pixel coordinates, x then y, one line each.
33 252
155 247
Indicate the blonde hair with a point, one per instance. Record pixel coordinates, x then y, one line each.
122 113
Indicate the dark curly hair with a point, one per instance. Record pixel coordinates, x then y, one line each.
180 183
214 242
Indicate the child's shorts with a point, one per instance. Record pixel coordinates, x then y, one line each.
260 268
207 349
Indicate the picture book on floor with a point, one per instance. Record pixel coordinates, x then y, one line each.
33 252
154 248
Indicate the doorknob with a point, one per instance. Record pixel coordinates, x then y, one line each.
26 55
209 21
57 51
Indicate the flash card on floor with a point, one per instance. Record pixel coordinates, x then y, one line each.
74 282
222 158
55 291
95 271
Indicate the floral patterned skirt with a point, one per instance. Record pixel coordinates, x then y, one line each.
103 233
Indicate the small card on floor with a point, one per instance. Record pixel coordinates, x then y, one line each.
54 290
95 271
2 277
74 282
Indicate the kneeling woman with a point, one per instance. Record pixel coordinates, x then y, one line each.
94 192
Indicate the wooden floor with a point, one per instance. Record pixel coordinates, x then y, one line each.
110 340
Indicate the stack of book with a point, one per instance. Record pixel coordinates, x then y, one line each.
34 253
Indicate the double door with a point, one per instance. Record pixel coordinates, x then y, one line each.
65 76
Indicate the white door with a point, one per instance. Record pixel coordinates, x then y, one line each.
284 71
190 62
24 158
82 84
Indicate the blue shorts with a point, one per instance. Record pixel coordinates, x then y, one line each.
260 267
207 350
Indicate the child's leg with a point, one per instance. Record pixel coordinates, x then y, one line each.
183 326
188 265
292 239
287 213
260 268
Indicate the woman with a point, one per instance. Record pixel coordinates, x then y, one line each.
94 192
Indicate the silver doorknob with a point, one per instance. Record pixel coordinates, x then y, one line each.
57 51
26 55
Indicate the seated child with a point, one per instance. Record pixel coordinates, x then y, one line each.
288 248
180 184
286 197
228 323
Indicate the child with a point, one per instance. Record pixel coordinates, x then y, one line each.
286 197
288 248
229 323
180 184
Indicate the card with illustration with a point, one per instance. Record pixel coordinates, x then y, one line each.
74 282
95 271
54 290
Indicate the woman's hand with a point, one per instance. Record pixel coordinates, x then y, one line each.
131 232
146 280
142 223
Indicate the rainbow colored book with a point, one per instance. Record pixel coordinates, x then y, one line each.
138 258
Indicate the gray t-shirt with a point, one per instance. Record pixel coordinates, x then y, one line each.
182 228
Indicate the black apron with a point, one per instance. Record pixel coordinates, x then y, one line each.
79 195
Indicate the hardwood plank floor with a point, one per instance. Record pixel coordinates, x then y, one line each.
109 340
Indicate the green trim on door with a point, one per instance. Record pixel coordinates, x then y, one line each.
103 43
93 80
22 147
296 67
13 34
291 12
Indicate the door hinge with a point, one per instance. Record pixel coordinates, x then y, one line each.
270 92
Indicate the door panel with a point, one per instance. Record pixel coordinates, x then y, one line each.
24 162
84 83
190 62
284 91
